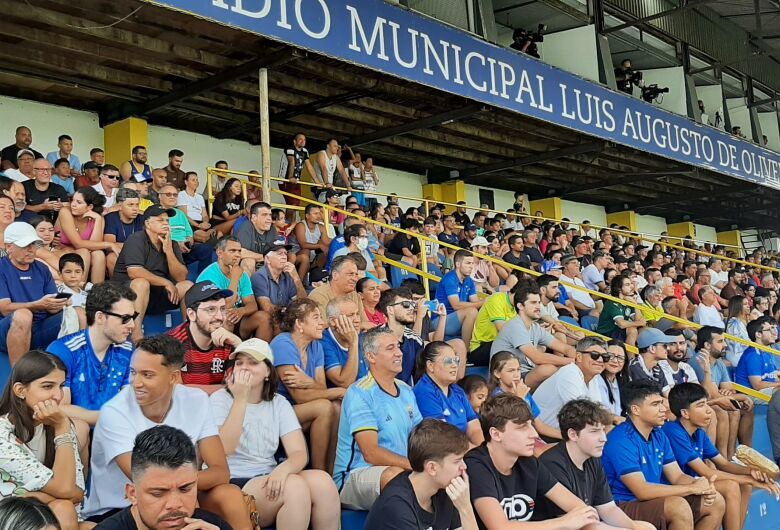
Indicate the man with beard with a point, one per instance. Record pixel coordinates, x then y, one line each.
137 168
676 370
163 492
550 293
156 397
98 358
23 140
399 308
173 171
714 377
207 344
524 336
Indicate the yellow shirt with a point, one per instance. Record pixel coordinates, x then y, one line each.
497 308
143 204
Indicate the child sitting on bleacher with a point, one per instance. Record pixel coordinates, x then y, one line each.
72 275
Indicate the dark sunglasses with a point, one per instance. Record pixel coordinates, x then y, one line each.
112 177
406 304
124 318
605 357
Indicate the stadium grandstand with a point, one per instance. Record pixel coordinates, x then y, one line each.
419 264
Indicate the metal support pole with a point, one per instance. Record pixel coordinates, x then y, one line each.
755 125
265 135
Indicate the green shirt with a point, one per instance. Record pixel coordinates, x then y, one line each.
609 316
180 227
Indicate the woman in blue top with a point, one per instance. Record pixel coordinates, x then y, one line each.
437 394
300 364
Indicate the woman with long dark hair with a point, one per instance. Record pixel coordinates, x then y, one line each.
612 379
39 450
736 318
252 420
228 206
81 227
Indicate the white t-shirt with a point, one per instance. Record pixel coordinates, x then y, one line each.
196 205
565 385
264 425
717 277
708 316
121 420
689 375
549 310
592 276
109 200
575 294
15 174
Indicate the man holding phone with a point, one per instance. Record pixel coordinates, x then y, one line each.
28 296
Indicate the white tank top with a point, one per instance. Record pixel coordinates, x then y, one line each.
331 163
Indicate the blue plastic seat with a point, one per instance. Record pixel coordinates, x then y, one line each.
162 323
761 440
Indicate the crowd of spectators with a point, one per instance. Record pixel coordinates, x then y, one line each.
307 376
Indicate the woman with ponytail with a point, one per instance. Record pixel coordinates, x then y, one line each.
438 395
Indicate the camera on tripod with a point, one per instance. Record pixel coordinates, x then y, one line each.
525 41
651 92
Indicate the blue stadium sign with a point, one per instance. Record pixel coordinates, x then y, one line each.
389 39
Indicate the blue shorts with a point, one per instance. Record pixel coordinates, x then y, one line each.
452 329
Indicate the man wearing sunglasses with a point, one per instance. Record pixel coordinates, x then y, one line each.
98 358
573 381
109 182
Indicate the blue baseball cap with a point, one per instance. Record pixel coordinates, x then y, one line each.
652 336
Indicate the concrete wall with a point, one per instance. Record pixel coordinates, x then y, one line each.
573 50
740 116
712 97
650 224
674 79
578 211
769 127
47 122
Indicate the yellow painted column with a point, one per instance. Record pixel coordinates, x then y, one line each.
432 191
453 192
732 238
681 230
626 218
120 137
550 208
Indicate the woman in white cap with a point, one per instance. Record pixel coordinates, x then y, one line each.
484 274
252 419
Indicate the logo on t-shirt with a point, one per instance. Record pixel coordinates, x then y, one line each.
519 507
217 365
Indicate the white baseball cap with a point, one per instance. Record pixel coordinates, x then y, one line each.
258 349
21 234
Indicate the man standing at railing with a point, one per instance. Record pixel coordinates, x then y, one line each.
327 164
295 159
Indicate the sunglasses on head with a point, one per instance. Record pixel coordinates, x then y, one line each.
124 318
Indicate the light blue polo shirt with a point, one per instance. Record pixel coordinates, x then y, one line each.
366 407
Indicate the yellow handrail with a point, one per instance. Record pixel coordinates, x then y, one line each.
751 392
426 202
531 272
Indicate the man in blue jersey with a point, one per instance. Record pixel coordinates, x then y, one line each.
458 293
377 415
98 358
344 360
698 457
646 481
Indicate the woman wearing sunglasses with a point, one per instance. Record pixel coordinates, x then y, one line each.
610 382
81 226
437 394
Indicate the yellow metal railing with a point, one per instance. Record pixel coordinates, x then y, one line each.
422 238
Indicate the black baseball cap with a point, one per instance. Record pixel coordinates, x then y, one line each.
156 210
276 244
332 193
204 291
470 226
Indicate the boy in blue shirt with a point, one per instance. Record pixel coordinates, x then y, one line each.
377 415
458 293
692 449
642 471
756 368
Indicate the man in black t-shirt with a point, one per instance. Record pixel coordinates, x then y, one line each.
164 490
460 215
44 197
23 140
438 478
576 464
153 266
507 481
